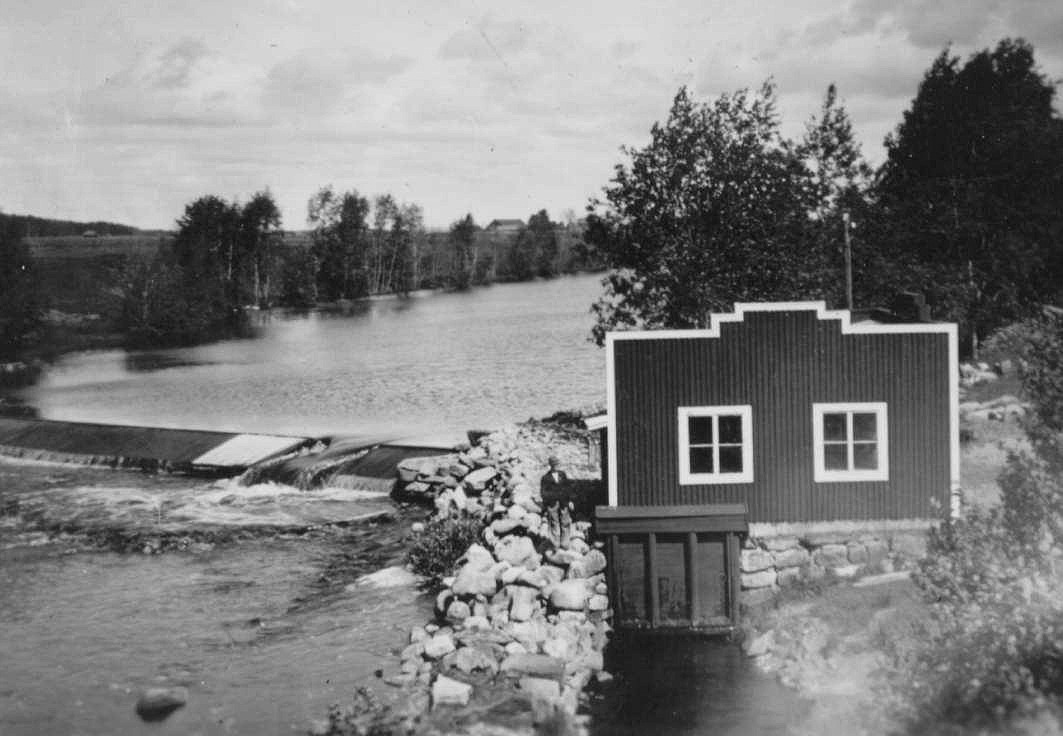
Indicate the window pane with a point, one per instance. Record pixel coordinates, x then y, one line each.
730 459
701 460
865 427
865 456
834 427
731 430
700 430
836 457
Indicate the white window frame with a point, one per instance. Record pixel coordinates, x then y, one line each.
878 408
686 477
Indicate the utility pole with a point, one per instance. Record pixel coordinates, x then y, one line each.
848 263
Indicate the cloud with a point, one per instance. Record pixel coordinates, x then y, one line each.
316 83
182 84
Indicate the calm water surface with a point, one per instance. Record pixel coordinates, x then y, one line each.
434 362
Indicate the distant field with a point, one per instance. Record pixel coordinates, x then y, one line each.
79 275
75 246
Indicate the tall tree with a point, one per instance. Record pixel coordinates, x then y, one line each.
837 181
341 243
20 303
462 242
710 212
260 220
970 191
541 238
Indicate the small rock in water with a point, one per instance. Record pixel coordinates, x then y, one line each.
446 691
158 702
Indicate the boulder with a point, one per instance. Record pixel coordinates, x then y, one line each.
533 578
477 623
446 691
477 480
439 646
857 553
762 579
592 563
793 557
516 512
877 552
458 611
845 571
156 703
561 557
598 602
515 550
537 665
472 581
475 659
505 526
569 595
479 557
779 544
515 647
557 647
540 687
755 560
523 602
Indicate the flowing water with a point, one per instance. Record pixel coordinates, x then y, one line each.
264 634
433 363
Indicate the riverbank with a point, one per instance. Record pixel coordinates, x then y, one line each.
521 626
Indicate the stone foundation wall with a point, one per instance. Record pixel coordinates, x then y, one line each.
772 562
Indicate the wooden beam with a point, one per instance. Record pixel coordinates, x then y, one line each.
651 573
693 594
614 577
731 556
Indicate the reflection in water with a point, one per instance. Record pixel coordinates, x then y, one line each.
430 363
685 686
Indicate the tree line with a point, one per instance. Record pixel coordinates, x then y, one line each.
228 256
720 207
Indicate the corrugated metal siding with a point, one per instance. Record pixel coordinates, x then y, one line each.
781 363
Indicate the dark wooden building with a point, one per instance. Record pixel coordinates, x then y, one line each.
781 418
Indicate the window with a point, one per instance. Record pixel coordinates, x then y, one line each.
715 444
849 442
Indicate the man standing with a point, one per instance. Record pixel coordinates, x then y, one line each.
553 487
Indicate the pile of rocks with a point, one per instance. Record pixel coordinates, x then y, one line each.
769 564
521 613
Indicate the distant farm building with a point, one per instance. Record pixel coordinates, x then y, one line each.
505 226
782 442
90 234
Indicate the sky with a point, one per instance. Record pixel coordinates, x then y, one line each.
127 110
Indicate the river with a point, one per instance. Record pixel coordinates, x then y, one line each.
431 364
262 645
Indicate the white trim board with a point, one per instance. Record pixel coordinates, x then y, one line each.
822 313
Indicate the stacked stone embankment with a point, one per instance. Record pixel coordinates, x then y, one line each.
524 614
771 563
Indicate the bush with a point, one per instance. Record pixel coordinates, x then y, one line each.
436 550
994 650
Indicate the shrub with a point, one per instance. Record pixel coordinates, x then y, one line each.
994 649
436 550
